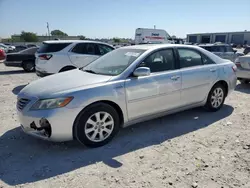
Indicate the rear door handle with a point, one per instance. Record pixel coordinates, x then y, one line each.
212 70
175 78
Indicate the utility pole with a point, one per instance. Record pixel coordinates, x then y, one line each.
48 29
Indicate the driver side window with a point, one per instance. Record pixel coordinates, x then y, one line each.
159 61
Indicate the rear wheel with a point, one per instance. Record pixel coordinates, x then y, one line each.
28 66
216 98
97 125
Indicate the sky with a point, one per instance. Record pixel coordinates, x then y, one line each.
120 18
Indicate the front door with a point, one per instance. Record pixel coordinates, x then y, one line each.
198 74
160 91
83 54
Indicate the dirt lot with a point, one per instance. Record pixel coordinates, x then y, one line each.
189 149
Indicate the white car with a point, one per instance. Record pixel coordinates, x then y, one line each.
243 68
63 55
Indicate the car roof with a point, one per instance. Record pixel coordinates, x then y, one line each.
155 46
74 41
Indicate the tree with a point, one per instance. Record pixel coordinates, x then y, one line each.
116 40
82 37
58 32
29 36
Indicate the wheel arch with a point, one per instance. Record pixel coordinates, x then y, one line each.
223 83
67 67
111 103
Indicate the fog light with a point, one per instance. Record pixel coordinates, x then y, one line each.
45 125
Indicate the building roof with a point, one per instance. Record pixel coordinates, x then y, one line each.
233 32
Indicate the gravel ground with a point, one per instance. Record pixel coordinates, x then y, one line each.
188 149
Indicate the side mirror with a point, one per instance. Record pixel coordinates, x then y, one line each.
234 51
141 71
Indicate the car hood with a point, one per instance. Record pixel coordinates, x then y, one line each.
61 82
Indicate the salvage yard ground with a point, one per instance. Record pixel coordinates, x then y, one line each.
188 149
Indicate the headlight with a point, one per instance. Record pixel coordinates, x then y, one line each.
51 103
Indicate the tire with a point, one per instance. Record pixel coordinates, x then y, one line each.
90 133
211 104
28 66
243 81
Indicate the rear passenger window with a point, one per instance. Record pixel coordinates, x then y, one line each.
206 60
189 58
103 49
85 48
52 47
218 49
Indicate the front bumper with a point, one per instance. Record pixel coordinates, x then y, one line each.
42 73
61 122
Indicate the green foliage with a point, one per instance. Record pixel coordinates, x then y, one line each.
116 40
58 32
82 37
28 37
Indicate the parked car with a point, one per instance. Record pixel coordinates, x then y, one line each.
224 51
25 59
4 47
2 55
243 68
31 45
246 50
10 47
63 55
126 86
20 48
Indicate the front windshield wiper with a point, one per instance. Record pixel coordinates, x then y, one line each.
89 71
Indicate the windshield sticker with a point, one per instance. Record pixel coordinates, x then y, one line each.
132 54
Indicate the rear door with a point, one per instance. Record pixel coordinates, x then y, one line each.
83 53
198 73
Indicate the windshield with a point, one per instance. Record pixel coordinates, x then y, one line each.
115 62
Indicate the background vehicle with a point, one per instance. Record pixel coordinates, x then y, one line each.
243 68
246 50
24 59
63 55
4 48
145 35
224 51
2 55
20 48
126 86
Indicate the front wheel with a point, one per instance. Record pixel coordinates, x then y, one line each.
28 66
216 98
97 125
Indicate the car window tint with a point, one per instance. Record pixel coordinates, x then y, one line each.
218 48
189 58
206 60
162 60
52 47
229 49
85 48
103 49
29 51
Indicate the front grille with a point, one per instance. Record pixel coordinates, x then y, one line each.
21 103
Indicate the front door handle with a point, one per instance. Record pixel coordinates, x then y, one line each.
212 70
175 78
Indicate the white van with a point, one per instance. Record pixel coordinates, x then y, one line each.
154 36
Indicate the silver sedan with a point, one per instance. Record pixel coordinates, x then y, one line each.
126 86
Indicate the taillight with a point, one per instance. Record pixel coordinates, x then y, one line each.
238 64
234 68
45 56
